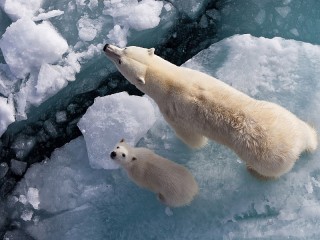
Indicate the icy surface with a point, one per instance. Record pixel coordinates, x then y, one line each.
100 204
112 118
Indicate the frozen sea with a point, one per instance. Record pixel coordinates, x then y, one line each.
52 51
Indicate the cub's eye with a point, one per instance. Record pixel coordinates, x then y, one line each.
120 62
123 155
118 147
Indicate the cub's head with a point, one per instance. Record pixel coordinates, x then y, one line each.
132 62
122 153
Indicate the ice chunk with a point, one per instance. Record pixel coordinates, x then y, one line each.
27 215
118 36
131 15
3 169
18 167
16 234
31 45
7 113
275 65
50 80
115 117
8 81
47 15
23 199
23 145
33 197
65 182
50 128
88 28
61 116
20 8
283 11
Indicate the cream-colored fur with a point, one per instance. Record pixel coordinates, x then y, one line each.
267 137
173 183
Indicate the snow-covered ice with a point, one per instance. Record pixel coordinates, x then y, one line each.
105 204
21 44
6 113
20 8
112 118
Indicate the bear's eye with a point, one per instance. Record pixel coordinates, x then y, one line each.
118 147
120 62
123 155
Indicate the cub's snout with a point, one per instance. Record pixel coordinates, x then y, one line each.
113 154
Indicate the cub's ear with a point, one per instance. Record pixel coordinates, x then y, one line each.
151 51
141 80
134 158
122 140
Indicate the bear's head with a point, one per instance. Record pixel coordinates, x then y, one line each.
122 153
132 62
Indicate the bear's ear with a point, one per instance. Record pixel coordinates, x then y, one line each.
122 140
139 72
134 158
141 80
151 51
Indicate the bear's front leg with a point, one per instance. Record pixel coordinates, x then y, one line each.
190 138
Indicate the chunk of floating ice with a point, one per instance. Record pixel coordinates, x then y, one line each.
3 169
6 113
47 15
18 167
112 118
23 199
33 197
27 215
168 211
61 116
135 15
31 45
20 8
88 28
118 35
23 145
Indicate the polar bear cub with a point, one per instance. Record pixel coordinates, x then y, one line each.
266 136
174 184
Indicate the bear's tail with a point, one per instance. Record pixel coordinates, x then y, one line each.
312 139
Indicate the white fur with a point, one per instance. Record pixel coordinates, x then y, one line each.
173 183
267 137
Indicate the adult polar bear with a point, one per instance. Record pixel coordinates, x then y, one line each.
267 137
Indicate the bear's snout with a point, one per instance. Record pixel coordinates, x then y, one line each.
113 154
105 47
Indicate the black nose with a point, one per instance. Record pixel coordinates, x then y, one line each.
105 46
113 154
